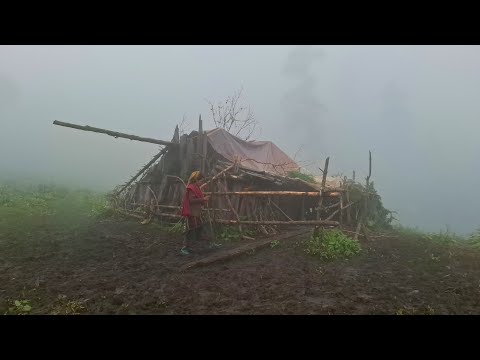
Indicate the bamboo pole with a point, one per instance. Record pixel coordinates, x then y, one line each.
113 133
179 207
217 176
224 255
230 204
278 208
341 211
347 196
142 170
268 193
277 222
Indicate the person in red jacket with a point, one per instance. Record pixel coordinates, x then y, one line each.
192 208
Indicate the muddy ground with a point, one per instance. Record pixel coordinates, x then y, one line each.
118 266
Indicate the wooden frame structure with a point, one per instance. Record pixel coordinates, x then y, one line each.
238 195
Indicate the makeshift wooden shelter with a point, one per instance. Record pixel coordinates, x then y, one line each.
249 183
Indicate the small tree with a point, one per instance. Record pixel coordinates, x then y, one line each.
234 117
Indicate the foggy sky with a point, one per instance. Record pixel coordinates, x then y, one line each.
416 107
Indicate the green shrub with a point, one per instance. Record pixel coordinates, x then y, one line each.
302 176
332 244
20 307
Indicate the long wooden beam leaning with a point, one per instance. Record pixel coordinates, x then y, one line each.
113 133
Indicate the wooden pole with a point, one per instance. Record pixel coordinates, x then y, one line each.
230 204
217 176
278 208
349 216
364 215
269 193
113 133
276 222
341 211
200 126
224 255
325 171
199 146
324 180
173 207
367 188
204 152
150 163
303 208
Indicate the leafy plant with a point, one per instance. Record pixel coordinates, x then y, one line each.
302 176
177 228
407 231
443 237
332 244
229 233
378 217
274 244
68 307
20 307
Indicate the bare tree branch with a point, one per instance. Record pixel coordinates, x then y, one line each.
232 116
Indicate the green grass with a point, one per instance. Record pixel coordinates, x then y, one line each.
228 233
474 239
28 208
407 231
444 237
174 229
332 244
441 237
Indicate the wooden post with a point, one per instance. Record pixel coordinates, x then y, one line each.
341 211
347 196
199 144
303 208
230 204
204 152
324 180
367 189
188 159
182 156
176 135
364 215
198 147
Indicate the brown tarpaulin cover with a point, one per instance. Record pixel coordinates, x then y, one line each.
255 155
